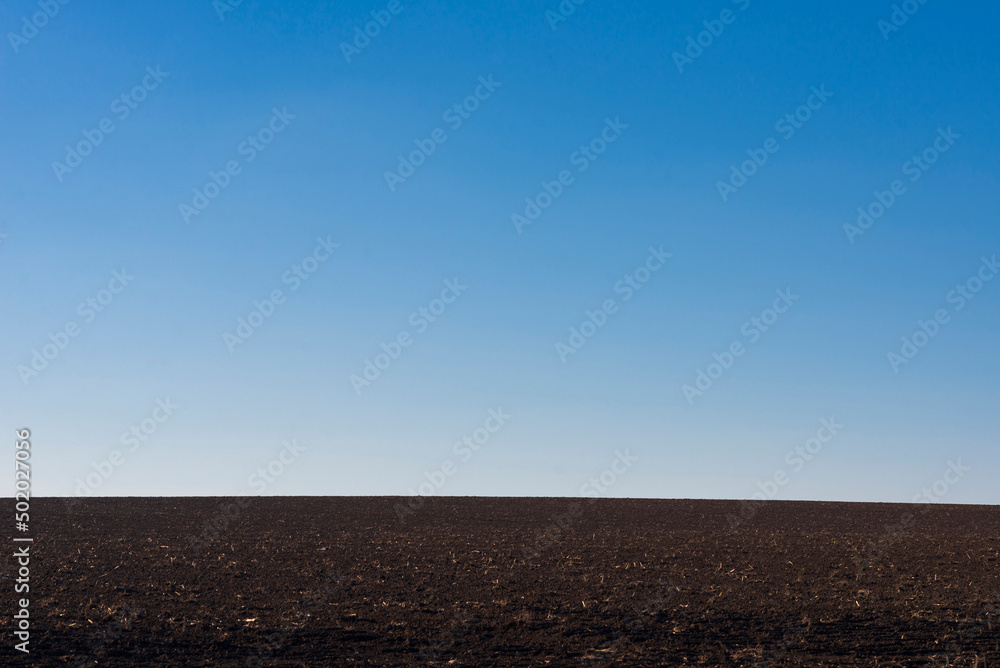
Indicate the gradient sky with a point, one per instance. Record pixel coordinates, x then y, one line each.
495 346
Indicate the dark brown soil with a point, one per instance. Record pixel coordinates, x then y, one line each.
472 582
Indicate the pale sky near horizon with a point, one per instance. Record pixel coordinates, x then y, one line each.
445 206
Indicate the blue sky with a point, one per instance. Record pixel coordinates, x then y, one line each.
678 128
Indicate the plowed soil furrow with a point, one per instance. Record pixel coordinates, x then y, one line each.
342 581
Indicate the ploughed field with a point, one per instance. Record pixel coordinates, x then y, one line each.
351 581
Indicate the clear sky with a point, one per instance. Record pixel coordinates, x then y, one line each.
629 138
